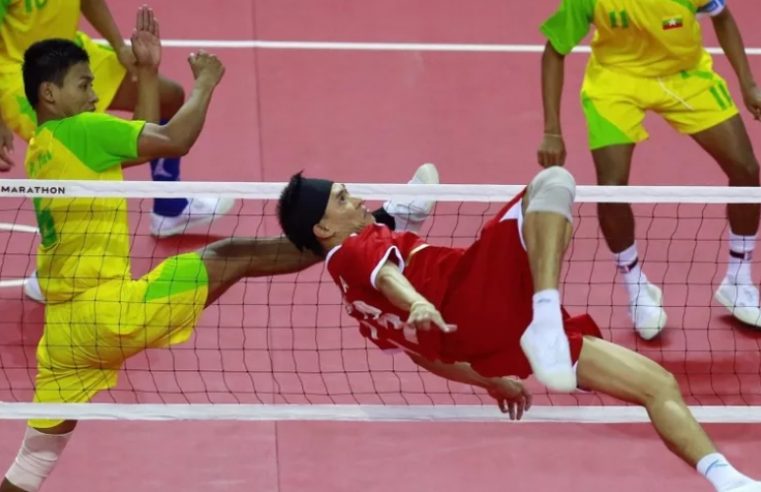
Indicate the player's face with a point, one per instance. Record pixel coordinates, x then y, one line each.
345 214
76 95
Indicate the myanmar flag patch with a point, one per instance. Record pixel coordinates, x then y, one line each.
672 23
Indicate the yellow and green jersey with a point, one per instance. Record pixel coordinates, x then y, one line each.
84 241
647 38
24 22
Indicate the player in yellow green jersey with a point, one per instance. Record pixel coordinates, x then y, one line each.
91 322
648 55
23 22
97 315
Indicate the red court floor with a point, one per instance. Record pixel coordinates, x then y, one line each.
361 116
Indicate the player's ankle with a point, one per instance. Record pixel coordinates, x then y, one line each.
546 304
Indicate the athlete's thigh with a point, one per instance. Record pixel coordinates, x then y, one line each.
617 371
696 100
170 299
729 144
612 108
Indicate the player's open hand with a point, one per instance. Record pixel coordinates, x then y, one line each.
752 97
424 316
512 396
207 68
146 44
552 150
6 148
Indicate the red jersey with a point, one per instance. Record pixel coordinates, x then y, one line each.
486 290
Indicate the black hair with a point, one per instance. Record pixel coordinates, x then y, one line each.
302 205
49 61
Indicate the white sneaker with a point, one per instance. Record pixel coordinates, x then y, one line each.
198 212
646 311
409 216
748 487
32 288
741 300
549 355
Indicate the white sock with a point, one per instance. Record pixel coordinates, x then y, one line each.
740 255
723 476
628 265
547 308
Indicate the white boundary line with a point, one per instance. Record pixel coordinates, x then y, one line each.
361 413
12 227
362 46
373 191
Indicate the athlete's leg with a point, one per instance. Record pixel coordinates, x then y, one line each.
612 166
631 377
229 260
547 207
37 457
728 143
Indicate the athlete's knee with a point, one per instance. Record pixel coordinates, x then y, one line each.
743 171
36 459
552 190
661 385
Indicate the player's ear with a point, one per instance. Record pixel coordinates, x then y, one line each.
321 231
47 92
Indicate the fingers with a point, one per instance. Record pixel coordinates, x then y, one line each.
529 398
146 20
424 316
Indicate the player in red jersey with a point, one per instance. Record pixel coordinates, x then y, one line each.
487 313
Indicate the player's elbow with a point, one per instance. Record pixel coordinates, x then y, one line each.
551 55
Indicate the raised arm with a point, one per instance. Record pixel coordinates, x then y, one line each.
401 293
731 42
146 47
180 133
552 149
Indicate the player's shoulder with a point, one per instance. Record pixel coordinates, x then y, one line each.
362 242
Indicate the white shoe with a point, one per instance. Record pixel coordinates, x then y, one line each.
741 300
32 288
549 354
198 212
646 311
748 487
410 215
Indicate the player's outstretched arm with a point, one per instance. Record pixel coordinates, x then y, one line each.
400 292
732 43
552 149
180 133
512 397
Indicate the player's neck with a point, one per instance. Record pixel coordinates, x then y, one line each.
46 114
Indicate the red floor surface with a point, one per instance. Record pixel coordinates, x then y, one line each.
372 117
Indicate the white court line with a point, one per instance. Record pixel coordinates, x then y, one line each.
359 46
359 413
10 226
